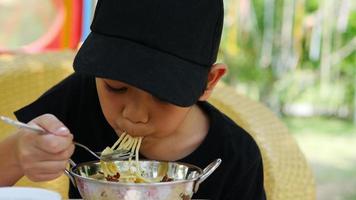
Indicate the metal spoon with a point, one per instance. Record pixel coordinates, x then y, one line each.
116 155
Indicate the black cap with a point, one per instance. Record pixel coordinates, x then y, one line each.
164 47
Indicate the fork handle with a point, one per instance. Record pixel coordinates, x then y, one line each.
22 125
86 148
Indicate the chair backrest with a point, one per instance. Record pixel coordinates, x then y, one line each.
23 78
287 175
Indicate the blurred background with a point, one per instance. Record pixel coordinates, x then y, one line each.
298 57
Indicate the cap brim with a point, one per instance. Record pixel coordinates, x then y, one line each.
163 75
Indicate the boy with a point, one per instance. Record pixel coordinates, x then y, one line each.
146 68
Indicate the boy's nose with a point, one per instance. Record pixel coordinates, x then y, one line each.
135 115
135 112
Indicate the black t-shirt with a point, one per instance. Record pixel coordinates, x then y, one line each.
75 102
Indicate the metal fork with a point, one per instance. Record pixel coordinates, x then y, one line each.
116 155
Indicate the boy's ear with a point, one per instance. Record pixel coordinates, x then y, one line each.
216 73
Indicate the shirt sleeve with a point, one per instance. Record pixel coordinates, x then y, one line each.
54 101
33 110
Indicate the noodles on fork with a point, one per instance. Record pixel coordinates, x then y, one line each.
110 170
134 172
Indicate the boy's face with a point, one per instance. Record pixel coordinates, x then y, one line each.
127 108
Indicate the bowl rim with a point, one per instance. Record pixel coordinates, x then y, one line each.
174 182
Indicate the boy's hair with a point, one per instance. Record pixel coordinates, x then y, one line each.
164 47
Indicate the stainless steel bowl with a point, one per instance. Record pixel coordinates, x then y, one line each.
186 181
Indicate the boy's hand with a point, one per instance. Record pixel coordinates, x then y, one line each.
44 157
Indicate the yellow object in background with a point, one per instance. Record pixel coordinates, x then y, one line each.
23 78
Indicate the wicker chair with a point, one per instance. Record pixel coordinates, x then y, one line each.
23 78
287 174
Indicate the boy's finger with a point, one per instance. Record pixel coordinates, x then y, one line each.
48 167
51 124
63 155
48 156
44 177
54 144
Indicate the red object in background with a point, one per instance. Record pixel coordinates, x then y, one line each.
56 27
65 31
51 39
76 24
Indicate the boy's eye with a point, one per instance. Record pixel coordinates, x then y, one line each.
116 90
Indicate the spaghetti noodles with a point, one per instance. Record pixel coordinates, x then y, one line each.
110 170
134 173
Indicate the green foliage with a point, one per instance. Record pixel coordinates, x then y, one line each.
328 145
351 28
350 197
281 80
241 68
319 126
311 5
348 73
258 5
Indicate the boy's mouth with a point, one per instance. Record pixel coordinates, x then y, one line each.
130 131
133 129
